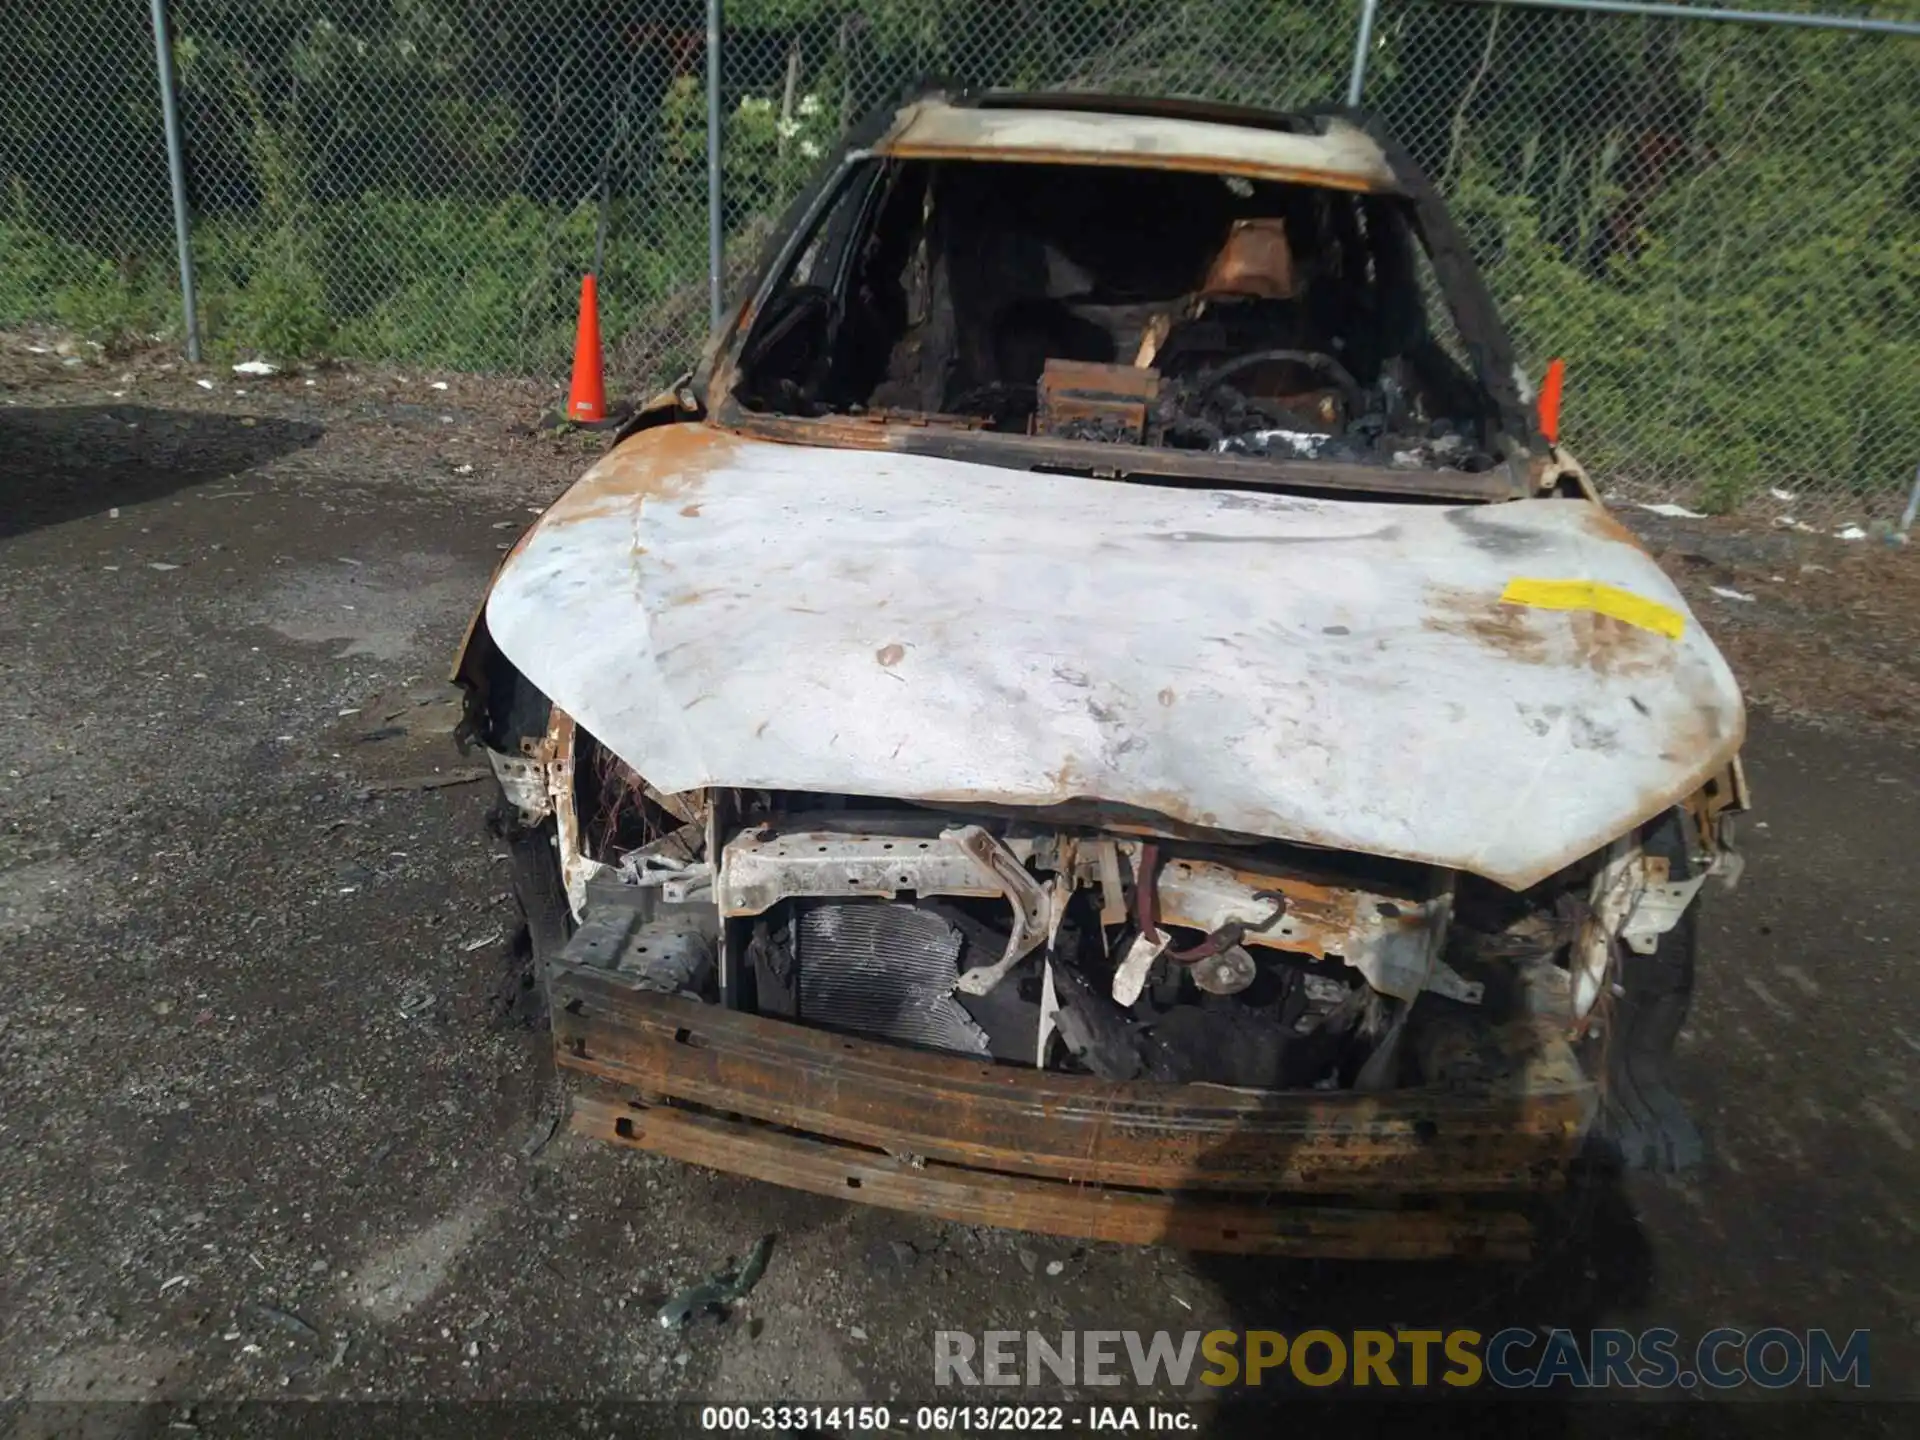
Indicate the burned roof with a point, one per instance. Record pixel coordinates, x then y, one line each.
1093 130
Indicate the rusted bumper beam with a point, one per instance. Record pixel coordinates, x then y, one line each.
1070 1127
974 1197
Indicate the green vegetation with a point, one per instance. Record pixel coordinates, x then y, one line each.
1717 226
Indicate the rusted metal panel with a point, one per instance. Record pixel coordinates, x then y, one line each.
723 611
1394 940
1344 157
1081 400
760 869
556 755
523 782
936 436
1077 1127
1719 798
1049 1206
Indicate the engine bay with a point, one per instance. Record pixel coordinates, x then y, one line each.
1060 945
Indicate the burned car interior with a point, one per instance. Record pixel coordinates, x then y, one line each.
978 832
1169 308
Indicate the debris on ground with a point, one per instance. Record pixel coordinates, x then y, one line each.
424 782
542 1132
892 1255
719 1290
1830 642
280 1320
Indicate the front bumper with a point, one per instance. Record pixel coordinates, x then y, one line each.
1409 1174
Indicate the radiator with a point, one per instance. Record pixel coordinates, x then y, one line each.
886 971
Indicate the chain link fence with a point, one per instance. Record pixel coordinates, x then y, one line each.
85 219
1717 225
426 182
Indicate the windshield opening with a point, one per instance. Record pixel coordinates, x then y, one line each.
1170 309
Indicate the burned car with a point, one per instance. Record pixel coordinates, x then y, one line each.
1096 709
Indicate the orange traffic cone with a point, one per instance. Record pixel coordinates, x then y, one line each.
1549 405
587 397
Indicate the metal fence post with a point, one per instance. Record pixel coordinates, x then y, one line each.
1362 43
176 175
715 232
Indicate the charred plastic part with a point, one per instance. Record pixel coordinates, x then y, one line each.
1098 1033
719 1290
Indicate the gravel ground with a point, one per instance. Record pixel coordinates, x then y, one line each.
271 1130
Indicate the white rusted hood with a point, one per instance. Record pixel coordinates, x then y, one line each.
724 611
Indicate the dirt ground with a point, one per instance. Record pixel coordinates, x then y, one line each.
266 1132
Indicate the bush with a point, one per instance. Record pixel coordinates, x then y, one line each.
44 278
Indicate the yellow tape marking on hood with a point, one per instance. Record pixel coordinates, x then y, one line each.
1601 599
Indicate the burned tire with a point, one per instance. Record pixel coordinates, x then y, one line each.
518 712
546 922
534 873
1641 1119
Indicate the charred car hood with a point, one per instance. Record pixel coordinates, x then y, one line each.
727 611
